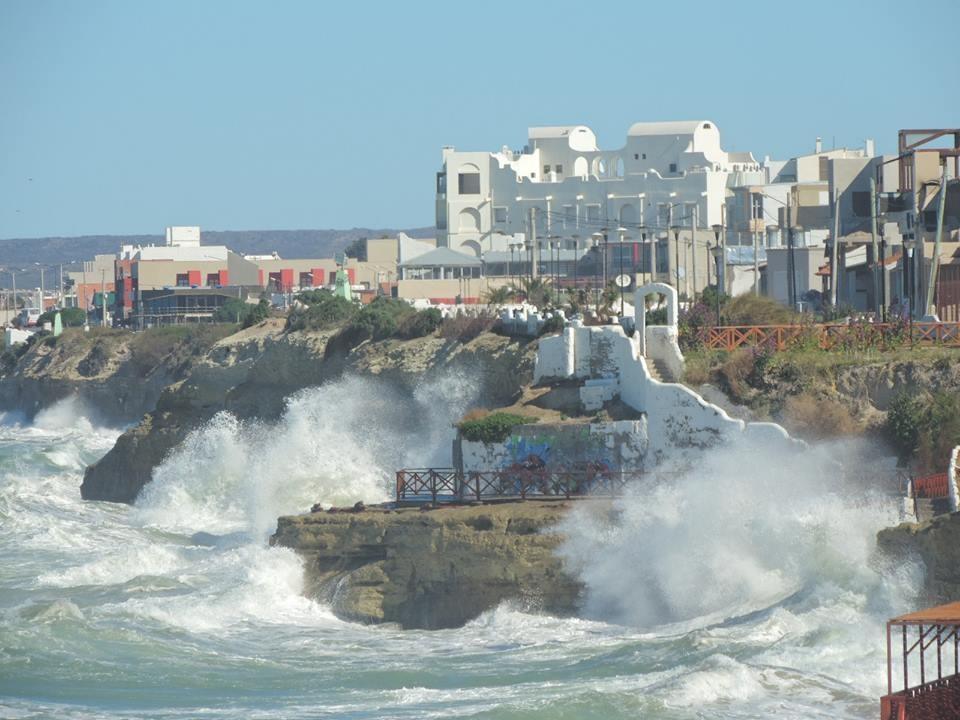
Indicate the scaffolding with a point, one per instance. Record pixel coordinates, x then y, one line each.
924 636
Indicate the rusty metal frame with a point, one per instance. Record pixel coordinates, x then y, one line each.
906 149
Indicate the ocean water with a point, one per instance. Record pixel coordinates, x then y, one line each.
745 590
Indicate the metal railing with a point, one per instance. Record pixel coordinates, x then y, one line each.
447 484
827 337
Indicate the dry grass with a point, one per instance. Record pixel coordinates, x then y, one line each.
815 418
735 373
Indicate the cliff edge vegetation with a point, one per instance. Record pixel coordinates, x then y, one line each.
117 373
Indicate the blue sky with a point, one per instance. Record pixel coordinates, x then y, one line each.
125 117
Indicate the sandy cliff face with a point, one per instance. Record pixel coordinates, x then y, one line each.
433 569
251 373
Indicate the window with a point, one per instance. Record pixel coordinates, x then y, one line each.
500 214
546 169
593 213
183 280
569 217
469 184
558 169
441 183
861 204
644 157
756 206
636 156
673 167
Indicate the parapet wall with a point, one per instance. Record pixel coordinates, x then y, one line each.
677 418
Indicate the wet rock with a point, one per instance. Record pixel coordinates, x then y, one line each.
437 569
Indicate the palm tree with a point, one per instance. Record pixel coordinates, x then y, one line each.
500 295
537 291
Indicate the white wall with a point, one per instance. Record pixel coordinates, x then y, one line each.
610 189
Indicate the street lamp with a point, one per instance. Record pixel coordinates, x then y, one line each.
621 232
643 250
597 239
675 229
717 229
794 229
717 252
909 245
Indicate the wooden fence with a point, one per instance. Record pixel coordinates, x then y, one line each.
831 336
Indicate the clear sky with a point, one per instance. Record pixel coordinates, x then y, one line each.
124 117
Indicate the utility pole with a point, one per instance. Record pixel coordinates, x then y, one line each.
103 298
834 275
42 292
791 262
693 246
935 260
756 264
877 266
533 244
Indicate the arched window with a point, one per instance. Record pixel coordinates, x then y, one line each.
580 168
468 179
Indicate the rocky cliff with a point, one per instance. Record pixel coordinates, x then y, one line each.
118 375
251 373
433 569
935 542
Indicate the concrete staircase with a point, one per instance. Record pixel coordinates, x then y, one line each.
659 371
929 508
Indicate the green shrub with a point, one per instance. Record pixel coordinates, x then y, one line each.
420 324
924 428
324 310
493 428
244 313
69 317
377 321
756 310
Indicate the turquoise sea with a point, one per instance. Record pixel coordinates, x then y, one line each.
748 590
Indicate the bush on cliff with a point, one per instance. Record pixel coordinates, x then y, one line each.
420 324
464 328
244 313
491 428
924 428
69 317
323 310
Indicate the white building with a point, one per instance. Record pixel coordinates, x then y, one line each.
563 187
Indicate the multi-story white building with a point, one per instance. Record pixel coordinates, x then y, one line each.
563 187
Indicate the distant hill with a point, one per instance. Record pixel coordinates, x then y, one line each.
28 255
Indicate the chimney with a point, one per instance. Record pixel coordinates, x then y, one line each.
819 146
871 151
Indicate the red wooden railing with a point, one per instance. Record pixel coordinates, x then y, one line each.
935 700
931 486
826 337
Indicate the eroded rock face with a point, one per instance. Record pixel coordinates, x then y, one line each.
251 373
935 542
436 569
